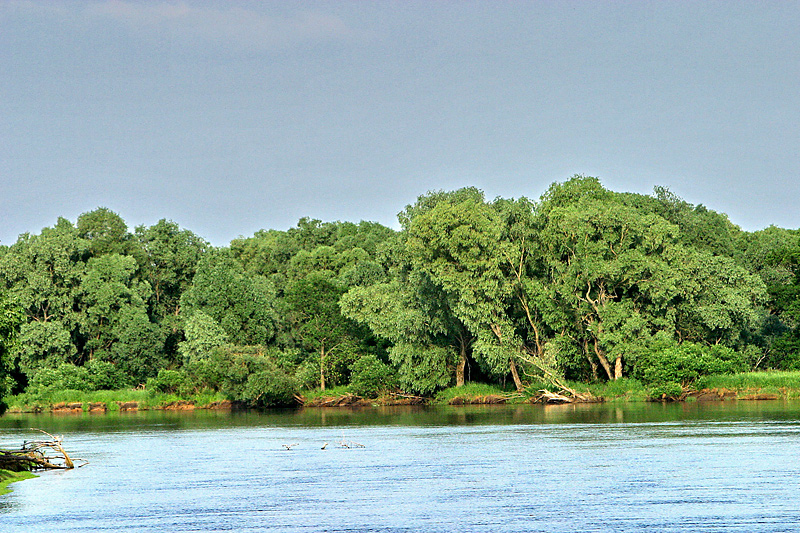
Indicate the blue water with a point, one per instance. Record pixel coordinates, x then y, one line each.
730 467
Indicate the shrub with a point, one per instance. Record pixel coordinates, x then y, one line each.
668 367
369 376
168 381
106 376
271 387
65 376
247 374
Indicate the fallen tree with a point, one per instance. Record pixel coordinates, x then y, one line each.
37 455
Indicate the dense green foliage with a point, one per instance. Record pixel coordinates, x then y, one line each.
585 285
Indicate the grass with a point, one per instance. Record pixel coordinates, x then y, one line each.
781 383
786 379
313 394
146 399
785 384
473 390
7 477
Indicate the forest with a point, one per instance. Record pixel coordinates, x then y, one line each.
583 285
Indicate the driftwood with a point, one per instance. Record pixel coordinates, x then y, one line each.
345 400
399 398
545 396
38 455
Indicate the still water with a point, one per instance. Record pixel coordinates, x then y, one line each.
731 466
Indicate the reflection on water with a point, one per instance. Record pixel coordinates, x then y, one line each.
639 467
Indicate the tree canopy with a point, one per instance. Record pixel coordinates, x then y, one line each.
584 283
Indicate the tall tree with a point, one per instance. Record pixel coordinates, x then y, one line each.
105 231
456 238
623 274
316 321
168 262
11 318
114 324
242 303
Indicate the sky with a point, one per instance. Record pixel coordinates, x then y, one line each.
228 117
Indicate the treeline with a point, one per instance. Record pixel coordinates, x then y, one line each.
586 285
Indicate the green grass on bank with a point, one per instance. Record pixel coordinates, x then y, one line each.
7 477
468 391
620 390
783 382
751 380
334 392
146 399
477 390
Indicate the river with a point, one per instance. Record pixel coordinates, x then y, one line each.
731 466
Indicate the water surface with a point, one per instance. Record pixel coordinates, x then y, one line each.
642 467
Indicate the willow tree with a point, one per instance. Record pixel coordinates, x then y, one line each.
429 345
620 274
457 239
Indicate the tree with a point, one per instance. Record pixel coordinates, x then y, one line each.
203 334
456 238
109 288
42 274
105 231
241 303
43 271
11 318
620 274
44 345
313 303
429 344
774 254
168 262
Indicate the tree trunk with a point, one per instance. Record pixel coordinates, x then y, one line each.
322 368
603 360
618 368
462 364
592 362
515 375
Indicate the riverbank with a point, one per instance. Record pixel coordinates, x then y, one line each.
8 477
770 385
74 402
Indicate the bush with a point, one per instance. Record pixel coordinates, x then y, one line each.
271 387
168 381
94 375
668 367
106 376
247 374
669 389
369 376
65 376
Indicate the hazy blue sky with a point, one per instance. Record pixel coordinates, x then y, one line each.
228 117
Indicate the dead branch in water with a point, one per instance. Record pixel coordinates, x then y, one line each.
349 443
38 455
